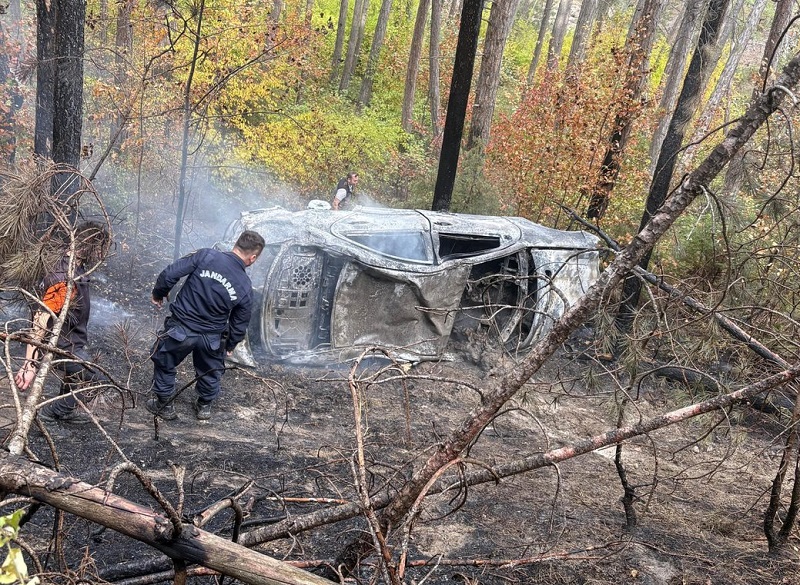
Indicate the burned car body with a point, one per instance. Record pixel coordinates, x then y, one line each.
331 284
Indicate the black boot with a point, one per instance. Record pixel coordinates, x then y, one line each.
161 407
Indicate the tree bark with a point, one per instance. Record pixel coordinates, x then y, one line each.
537 51
583 30
407 112
68 97
374 54
738 45
434 101
674 72
500 20
18 475
339 44
700 69
354 42
558 34
45 77
457 104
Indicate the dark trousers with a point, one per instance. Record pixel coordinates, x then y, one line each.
173 345
75 376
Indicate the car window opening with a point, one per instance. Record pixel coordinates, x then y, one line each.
406 245
462 246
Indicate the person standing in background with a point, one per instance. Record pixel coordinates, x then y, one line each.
345 189
92 241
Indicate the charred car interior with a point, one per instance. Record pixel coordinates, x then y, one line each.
331 284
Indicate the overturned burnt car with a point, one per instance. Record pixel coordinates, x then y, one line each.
331 284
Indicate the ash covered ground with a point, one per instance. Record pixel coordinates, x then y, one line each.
290 431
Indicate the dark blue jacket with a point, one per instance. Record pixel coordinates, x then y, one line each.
215 297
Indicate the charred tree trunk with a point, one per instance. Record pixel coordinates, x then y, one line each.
457 104
68 96
45 77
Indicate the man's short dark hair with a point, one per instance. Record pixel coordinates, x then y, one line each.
352 175
92 241
250 242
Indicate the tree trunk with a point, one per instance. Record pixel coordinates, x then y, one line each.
738 45
433 69
700 69
374 55
68 102
783 13
558 34
777 539
20 476
273 20
354 42
12 102
676 65
583 30
339 44
537 52
407 112
500 20
460 83
45 77
638 46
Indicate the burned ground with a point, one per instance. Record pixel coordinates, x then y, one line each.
701 495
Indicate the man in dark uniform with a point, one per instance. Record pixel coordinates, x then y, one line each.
91 246
343 197
209 317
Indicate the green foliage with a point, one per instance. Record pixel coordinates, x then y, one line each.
313 147
13 569
696 248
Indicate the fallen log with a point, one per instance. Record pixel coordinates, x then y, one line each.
193 545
